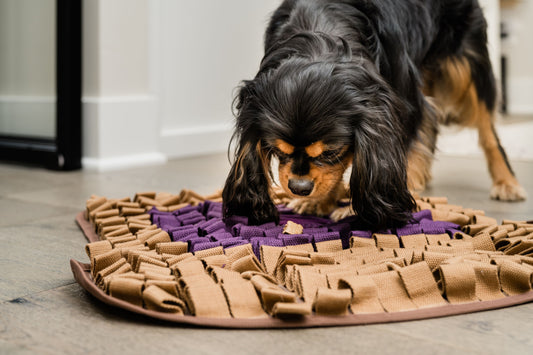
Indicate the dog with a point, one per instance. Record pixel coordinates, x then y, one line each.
361 84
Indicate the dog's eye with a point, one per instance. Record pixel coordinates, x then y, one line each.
328 157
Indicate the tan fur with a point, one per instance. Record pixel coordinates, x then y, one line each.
315 149
284 147
454 94
327 191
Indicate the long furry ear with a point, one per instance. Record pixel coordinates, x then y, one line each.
378 181
247 188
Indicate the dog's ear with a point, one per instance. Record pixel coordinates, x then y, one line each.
247 188
378 182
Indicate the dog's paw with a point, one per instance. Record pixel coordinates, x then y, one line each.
309 206
506 191
341 213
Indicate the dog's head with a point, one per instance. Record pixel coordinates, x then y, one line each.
319 112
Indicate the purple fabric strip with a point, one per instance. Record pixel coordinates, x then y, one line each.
362 234
325 236
409 229
295 239
202 227
180 234
249 232
185 210
193 220
230 243
220 235
204 245
424 214
273 232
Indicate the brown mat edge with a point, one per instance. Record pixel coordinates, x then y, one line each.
86 227
82 275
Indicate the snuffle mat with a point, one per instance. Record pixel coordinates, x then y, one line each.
172 257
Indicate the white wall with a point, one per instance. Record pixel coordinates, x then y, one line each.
159 76
204 49
518 17
27 67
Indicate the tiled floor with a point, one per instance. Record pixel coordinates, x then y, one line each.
42 309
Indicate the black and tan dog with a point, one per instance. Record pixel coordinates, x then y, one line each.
362 84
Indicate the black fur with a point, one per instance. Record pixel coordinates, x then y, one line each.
348 72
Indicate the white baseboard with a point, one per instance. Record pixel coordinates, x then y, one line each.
177 143
123 162
120 132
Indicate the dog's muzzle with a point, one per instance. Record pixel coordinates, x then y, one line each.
301 187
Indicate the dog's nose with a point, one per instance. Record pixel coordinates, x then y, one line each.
302 187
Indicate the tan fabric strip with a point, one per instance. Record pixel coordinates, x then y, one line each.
330 302
158 275
175 248
391 292
209 252
112 269
436 200
458 282
449 216
188 268
121 239
158 299
520 247
283 309
101 261
220 274
359 242
127 289
329 246
97 248
270 296
106 214
437 239
182 257
132 211
405 254
390 241
421 285
149 267
247 263
483 241
482 219
364 294
217 260
138 227
372 269
308 283
145 235
94 203
149 260
238 252
301 247
517 233
487 282
292 228
242 299
515 278
262 282
161 237
415 241
206 299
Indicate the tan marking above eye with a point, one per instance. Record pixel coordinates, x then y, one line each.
284 147
315 149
